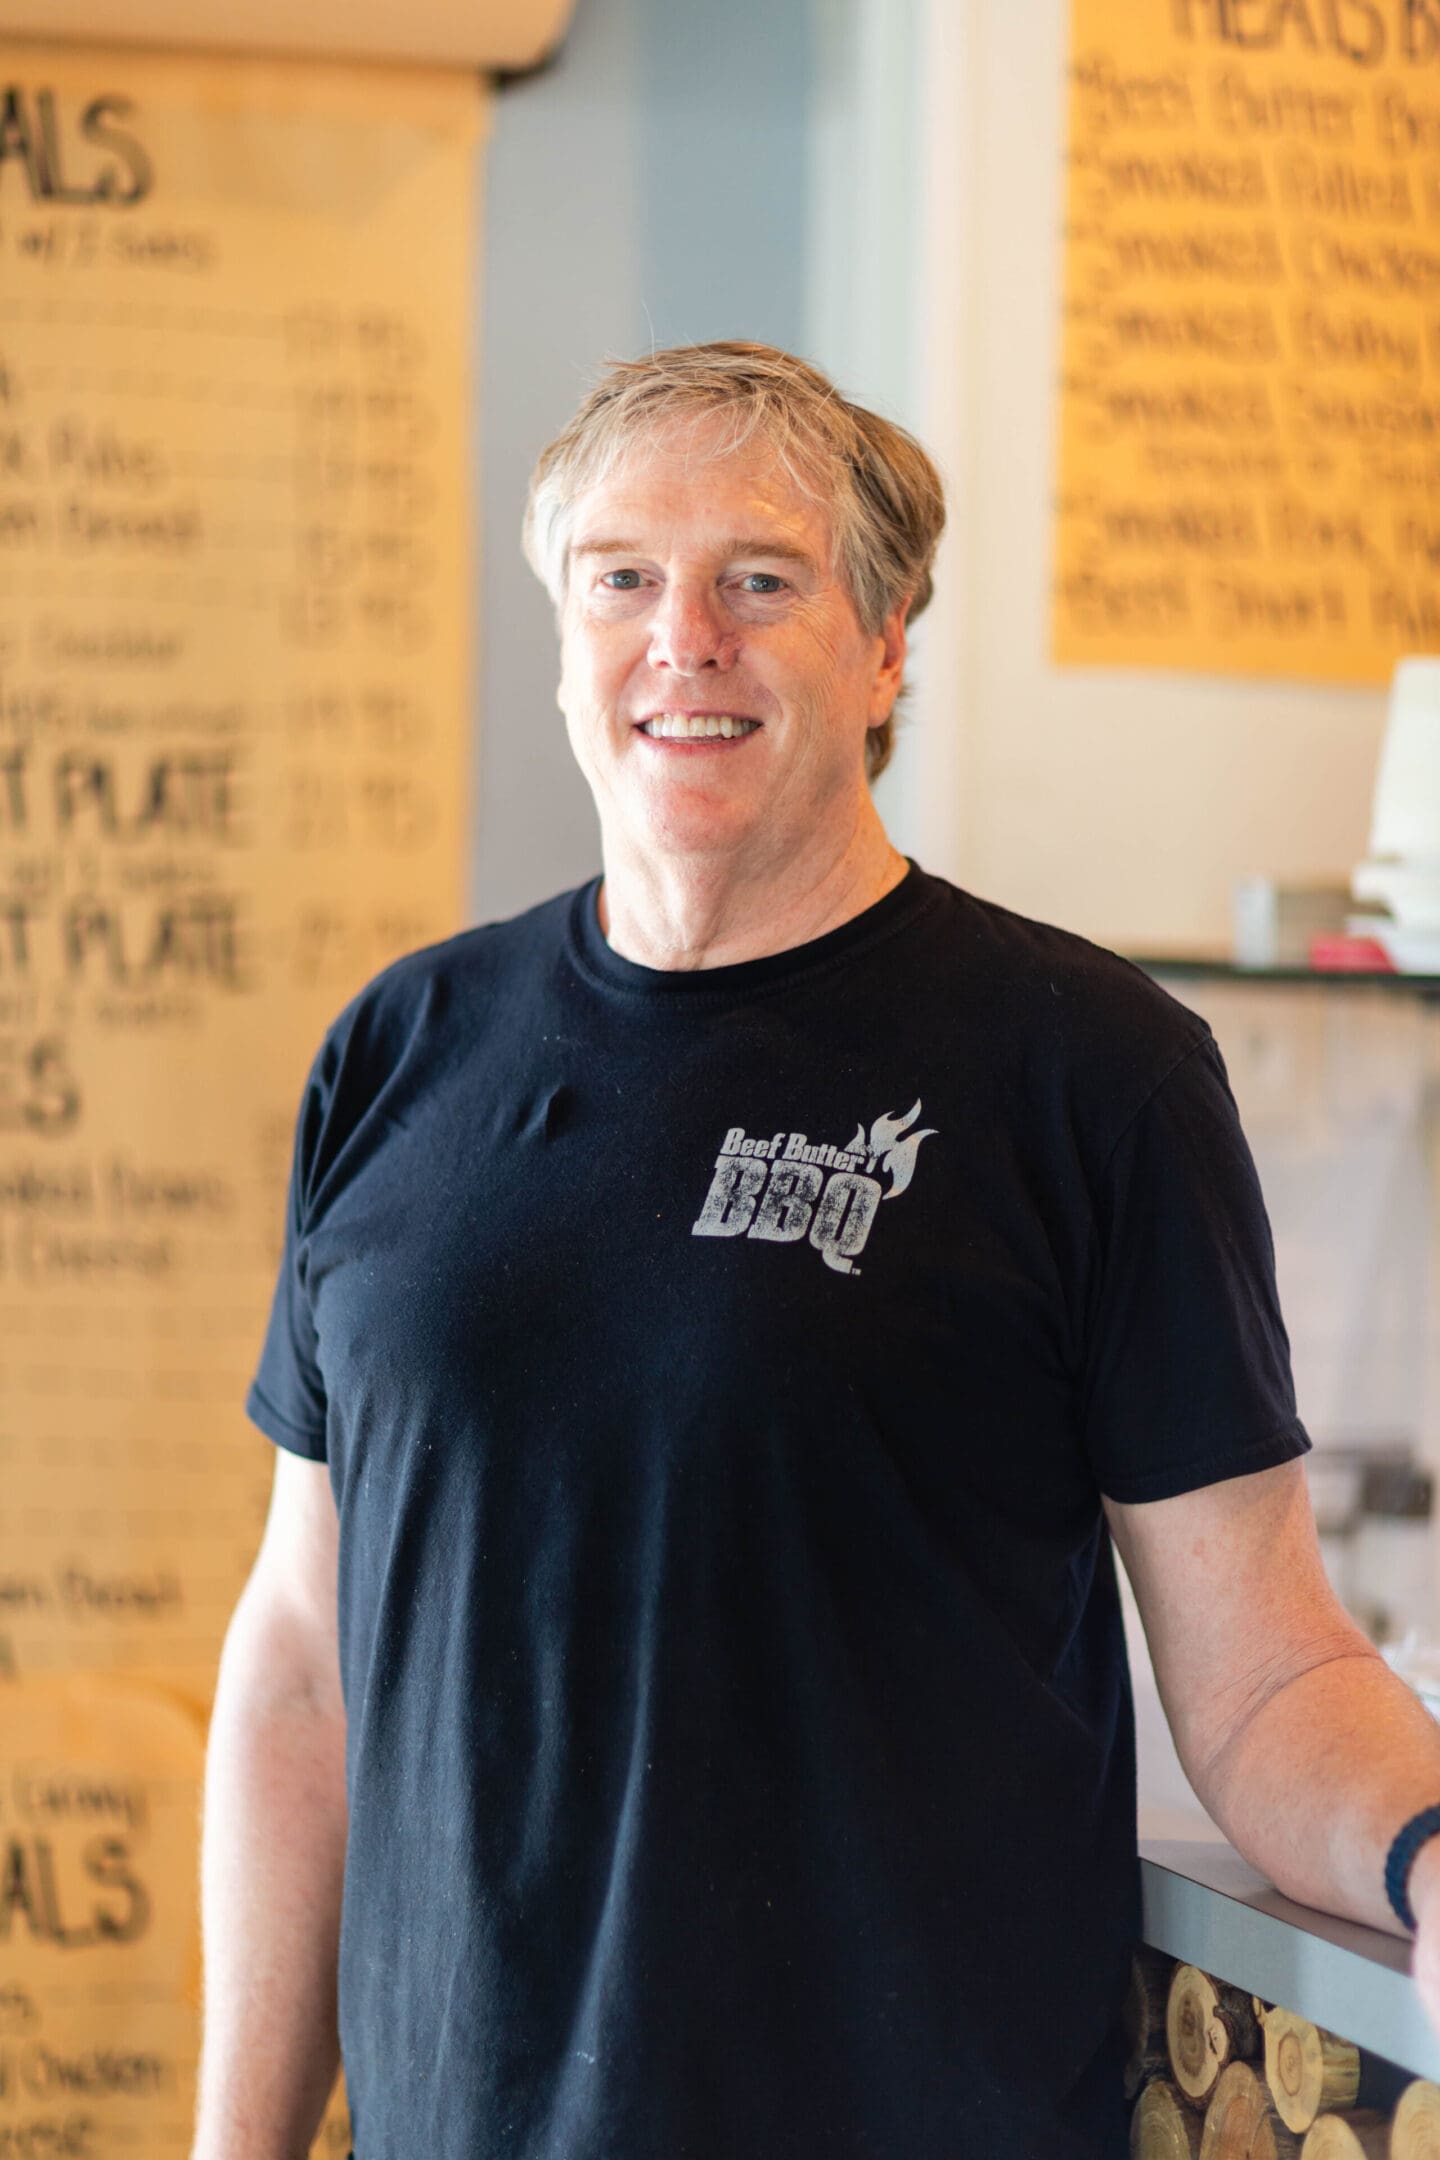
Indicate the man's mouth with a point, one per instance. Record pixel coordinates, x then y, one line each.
696 727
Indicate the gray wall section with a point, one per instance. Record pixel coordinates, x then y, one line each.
724 118
650 185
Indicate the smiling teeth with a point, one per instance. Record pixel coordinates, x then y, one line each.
685 727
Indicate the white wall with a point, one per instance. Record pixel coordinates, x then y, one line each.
1122 803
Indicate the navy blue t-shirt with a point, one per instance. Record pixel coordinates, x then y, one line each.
718 1375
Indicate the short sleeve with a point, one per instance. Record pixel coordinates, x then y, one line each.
1187 1367
287 1395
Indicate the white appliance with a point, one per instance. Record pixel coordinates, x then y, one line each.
1401 875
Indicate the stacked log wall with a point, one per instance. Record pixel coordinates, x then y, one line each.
1217 2074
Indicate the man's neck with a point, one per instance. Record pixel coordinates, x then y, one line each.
690 913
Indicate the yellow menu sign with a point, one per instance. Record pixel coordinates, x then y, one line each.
1249 462
99 1963
234 310
235 301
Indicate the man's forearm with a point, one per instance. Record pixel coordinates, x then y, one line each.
1314 1785
272 1871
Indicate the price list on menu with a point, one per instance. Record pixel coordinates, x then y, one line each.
1249 470
234 308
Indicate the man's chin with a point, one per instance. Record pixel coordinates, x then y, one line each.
695 820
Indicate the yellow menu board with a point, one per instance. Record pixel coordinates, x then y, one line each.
1249 458
235 301
99 1960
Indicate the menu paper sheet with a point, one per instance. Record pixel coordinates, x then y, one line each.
235 300
99 1958
1249 454
451 33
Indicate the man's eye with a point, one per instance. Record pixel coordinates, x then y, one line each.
612 577
762 581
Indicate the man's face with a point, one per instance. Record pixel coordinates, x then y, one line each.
702 594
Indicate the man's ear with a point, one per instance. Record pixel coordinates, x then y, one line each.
891 672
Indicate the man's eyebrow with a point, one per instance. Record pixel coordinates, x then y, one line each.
767 544
740 544
605 547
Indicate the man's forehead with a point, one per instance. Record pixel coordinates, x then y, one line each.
734 503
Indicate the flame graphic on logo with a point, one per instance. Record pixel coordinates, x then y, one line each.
896 1155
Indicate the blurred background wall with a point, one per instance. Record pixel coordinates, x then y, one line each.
677 173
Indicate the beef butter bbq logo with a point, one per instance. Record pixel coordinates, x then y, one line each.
785 1188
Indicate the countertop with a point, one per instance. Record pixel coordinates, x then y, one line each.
1206 1905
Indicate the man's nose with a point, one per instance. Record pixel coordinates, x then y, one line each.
689 630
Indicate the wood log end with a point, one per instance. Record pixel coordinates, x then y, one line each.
1241 2122
1363 2134
1415 2130
1310 2072
1162 2127
1208 2025
1142 2020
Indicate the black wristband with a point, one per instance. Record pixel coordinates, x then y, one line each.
1401 1858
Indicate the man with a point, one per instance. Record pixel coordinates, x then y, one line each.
721 1311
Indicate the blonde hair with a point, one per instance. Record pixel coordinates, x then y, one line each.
886 501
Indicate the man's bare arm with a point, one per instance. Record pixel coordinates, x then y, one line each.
274 1841
1300 1741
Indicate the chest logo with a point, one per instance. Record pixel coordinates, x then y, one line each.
787 1187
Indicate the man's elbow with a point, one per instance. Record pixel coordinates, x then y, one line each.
277 1662
1225 1735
